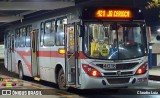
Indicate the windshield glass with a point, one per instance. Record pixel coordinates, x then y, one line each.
109 40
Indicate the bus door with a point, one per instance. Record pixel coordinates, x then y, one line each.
12 54
71 57
9 52
34 49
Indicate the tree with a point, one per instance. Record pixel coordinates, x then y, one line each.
153 4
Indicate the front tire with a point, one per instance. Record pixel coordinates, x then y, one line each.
20 71
61 80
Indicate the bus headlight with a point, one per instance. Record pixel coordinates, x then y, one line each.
91 71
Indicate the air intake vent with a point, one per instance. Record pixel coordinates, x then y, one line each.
118 80
121 66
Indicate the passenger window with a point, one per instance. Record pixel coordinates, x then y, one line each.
12 41
5 42
29 29
53 27
20 32
41 34
60 31
24 32
21 38
49 35
9 42
48 27
17 38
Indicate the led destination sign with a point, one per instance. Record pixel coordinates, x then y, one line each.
113 14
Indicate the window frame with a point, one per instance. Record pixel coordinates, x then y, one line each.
17 32
61 18
45 25
51 20
42 31
28 30
21 35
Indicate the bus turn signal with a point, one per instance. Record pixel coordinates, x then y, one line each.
61 51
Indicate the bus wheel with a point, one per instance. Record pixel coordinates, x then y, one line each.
20 71
61 80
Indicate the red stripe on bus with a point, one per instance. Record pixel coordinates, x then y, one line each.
44 54
51 54
25 53
58 55
22 54
82 56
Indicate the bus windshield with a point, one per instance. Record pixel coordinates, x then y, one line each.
115 41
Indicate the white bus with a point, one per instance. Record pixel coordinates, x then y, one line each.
84 48
1 51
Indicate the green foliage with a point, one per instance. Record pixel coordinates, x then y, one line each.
153 4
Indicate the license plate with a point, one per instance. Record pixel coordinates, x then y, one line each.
109 66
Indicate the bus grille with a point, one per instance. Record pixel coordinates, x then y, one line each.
118 80
121 66
114 74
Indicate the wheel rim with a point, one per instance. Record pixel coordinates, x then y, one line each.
62 81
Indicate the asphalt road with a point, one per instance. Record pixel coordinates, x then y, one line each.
51 89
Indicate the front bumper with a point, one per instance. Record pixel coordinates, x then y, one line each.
88 82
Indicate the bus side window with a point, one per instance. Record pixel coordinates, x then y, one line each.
49 35
5 41
60 31
29 29
12 41
41 33
21 37
52 33
24 36
17 38
8 42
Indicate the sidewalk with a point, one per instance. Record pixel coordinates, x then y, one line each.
154 73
